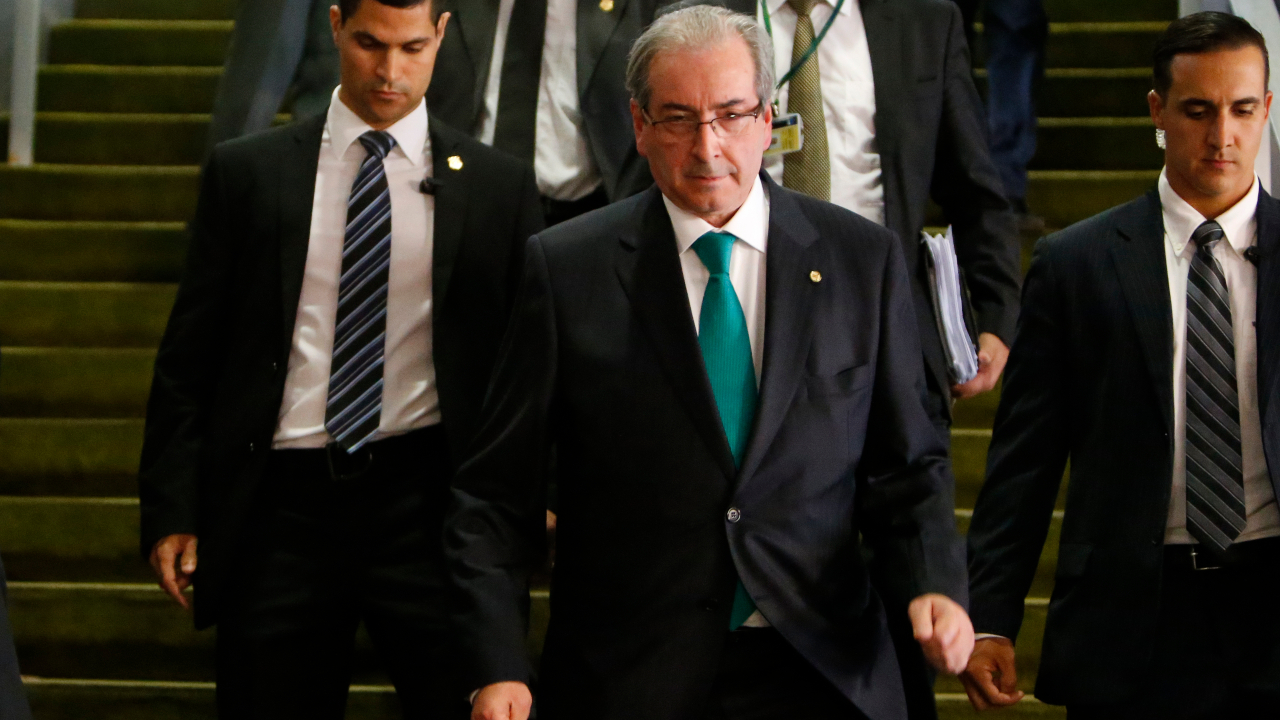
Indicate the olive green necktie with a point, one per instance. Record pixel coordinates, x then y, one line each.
807 170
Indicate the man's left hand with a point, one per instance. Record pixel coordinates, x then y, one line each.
943 630
992 355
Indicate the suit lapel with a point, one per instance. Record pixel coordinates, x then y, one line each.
788 329
649 269
1144 278
296 197
477 22
1268 328
595 28
450 208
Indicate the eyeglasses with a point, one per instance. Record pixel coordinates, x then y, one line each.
685 128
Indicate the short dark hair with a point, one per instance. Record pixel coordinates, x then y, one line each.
349 7
1203 32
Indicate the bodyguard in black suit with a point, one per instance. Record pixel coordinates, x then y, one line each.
348 284
1148 354
13 696
708 560
536 82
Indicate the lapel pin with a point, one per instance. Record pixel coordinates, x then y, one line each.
606 5
815 276
455 162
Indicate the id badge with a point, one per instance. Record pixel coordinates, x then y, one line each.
788 134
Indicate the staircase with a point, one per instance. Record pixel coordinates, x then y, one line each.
91 244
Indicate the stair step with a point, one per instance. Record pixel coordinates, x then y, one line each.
46 538
90 251
1097 144
98 192
140 42
75 382
113 138
69 457
1110 10
1063 197
1087 92
955 706
69 314
157 9
1092 44
128 88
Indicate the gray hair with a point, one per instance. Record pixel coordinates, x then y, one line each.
699 26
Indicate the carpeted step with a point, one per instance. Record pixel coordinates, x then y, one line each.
956 706
67 314
92 251
1063 197
978 413
140 42
121 138
98 192
157 9
1084 92
128 88
1092 44
1097 144
1110 10
74 382
69 457
71 538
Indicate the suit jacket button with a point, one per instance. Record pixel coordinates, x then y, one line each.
252 447
734 515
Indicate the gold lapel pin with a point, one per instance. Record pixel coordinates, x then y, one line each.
606 5
455 162
815 276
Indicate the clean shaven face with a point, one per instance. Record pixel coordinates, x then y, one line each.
387 56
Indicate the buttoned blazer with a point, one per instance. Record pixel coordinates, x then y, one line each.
220 372
1090 380
602 364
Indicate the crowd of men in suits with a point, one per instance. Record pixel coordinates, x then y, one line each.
540 242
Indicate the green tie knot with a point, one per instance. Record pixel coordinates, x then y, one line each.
714 249
802 7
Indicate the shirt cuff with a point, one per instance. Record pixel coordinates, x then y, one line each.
976 637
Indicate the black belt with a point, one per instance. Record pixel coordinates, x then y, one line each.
1195 558
342 466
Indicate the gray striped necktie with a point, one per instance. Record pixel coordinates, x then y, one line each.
1215 478
354 408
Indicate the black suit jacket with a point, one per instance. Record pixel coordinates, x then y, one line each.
931 134
1090 379
220 373
604 38
13 696
603 361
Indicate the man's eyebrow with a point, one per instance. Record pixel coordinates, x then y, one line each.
1201 102
370 37
687 108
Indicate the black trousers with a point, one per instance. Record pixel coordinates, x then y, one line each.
325 555
1217 651
761 677
13 696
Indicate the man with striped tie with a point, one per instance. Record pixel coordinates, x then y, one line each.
348 283
1148 354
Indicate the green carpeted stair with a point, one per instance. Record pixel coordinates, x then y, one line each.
91 244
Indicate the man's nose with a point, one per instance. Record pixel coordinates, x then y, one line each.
706 144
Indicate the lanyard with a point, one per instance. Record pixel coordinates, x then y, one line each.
813 47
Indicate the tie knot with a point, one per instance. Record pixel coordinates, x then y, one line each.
802 7
378 143
713 250
1207 235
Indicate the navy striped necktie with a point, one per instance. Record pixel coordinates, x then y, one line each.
1215 476
354 409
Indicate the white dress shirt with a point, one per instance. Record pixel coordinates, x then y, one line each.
1240 226
409 399
562 163
746 271
848 101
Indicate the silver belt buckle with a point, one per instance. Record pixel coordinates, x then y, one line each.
1195 562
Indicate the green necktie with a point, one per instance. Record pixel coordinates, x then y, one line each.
807 170
726 351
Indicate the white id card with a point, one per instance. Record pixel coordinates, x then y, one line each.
788 134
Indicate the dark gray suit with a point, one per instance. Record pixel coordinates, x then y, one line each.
602 360
13 697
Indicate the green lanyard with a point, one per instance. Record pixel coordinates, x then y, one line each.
813 47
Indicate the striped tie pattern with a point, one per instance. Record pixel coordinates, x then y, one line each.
808 170
1215 478
354 408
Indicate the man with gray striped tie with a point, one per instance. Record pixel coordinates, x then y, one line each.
349 280
1148 354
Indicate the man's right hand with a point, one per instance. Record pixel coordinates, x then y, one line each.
174 561
503 701
991 680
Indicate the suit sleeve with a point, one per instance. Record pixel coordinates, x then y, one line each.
967 187
495 530
1028 454
186 371
906 498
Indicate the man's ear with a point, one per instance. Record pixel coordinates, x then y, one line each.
335 21
637 121
1155 104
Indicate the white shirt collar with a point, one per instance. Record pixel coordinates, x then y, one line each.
750 224
1181 219
775 6
344 128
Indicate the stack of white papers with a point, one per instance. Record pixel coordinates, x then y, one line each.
962 357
